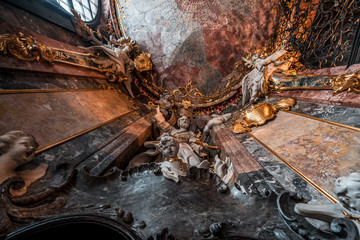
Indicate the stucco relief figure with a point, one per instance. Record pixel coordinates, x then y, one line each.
172 167
18 148
123 64
215 121
165 103
347 190
224 169
253 82
190 151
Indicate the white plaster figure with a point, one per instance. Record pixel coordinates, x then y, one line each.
172 167
189 151
17 148
119 55
224 169
253 82
216 120
347 190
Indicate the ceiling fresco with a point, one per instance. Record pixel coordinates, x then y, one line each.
198 41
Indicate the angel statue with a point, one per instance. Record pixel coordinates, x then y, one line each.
253 82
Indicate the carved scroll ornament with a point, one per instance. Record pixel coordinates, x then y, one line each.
259 114
143 62
26 48
348 82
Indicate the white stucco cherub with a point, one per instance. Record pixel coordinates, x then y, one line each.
172 167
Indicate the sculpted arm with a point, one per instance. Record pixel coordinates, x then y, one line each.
196 147
273 57
160 120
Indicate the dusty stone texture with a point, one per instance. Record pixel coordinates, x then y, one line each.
344 99
51 117
321 151
198 41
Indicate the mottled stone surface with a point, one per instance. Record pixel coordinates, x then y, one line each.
186 208
51 117
301 81
38 80
230 147
82 147
198 41
321 151
344 115
345 99
333 71
120 150
289 180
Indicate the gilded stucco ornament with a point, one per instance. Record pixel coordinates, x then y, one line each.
143 62
259 114
286 103
26 48
348 82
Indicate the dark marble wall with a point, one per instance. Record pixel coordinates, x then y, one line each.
46 114
344 115
198 41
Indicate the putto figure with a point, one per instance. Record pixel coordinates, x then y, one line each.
16 148
172 167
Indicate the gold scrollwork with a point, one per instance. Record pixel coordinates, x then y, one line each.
348 82
143 62
285 104
187 92
26 48
259 114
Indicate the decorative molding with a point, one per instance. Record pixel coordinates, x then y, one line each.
26 48
259 114
326 121
347 82
321 190
75 135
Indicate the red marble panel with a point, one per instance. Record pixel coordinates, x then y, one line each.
339 70
10 62
230 147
